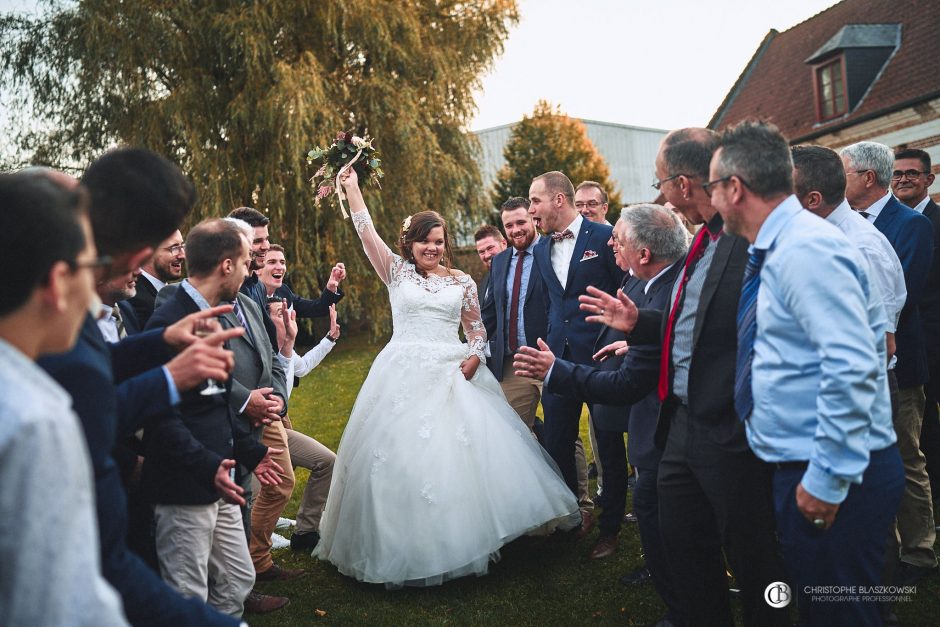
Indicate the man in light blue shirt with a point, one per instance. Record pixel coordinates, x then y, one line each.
810 384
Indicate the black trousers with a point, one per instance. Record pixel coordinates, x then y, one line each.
930 430
612 452
646 508
711 499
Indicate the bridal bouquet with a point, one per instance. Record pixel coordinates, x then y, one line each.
347 150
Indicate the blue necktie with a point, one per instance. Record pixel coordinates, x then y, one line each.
237 310
747 329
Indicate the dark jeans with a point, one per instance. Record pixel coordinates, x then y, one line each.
712 498
646 508
612 453
851 552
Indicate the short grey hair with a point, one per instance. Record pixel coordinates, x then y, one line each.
246 229
871 156
655 228
756 152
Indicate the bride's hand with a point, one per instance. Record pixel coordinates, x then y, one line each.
469 366
349 179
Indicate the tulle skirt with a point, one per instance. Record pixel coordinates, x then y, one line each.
434 474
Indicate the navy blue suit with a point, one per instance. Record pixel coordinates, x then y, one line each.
132 323
633 382
89 372
930 316
911 235
494 311
305 307
569 335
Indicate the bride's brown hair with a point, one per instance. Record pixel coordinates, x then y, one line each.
418 229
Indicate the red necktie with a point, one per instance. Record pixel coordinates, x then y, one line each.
514 304
698 249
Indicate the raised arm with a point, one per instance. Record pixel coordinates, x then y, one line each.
385 262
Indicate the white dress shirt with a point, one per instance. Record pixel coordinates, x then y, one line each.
874 210
107 324
563 249
157 283
922 204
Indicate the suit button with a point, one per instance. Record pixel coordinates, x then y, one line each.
566 322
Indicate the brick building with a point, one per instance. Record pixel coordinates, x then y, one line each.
860 70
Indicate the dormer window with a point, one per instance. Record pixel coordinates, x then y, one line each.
847 65
830 90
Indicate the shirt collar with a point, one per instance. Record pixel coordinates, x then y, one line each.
197 297
878 205
107 311
13 360
649 284
715 226
841 213
919 208
157 283
515 253
575 225
775 222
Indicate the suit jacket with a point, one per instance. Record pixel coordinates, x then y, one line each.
569 335
88 373
912 236
305 307
495 305
184 449
930 302
633 383
256 363
131 322
255 290
614 417
143 302
483 287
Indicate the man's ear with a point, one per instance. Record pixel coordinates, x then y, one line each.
813 200
55 294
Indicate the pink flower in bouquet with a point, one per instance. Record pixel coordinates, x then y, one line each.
324 191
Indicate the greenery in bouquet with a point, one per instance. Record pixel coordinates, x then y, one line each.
345 148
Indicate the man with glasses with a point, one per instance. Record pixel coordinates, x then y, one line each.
590 200
165 266
911 181
714 494
868 169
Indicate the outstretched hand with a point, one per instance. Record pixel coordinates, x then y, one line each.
618 348
533 363
267 469
618 313
230 491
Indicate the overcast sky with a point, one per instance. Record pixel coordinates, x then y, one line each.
663 64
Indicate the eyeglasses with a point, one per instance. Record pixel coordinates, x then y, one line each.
592 204
657 184
175 249
859 171
897 175
98 262
708 186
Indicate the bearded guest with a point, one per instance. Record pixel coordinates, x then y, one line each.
165 266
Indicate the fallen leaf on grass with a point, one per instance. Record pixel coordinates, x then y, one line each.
320 613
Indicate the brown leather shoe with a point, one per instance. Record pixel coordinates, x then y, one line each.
258 603
605 547
276 573
587 523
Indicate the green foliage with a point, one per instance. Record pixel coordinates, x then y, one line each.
549 140
238 91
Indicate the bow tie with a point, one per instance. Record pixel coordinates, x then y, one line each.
566 234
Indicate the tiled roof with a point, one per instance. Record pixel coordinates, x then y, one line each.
777 84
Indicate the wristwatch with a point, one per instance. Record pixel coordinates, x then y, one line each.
331 338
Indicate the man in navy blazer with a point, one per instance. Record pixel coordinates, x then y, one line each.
575 256
649 240
137 199
911 182
868 169
530 322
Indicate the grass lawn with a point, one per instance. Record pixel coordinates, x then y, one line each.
535 583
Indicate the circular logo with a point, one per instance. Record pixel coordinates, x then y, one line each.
777 594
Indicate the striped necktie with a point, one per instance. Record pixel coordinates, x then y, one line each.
119 321
747 329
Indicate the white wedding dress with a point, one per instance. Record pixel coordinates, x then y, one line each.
434 473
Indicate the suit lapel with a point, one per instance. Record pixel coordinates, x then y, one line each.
887 215
232 321
543 256
726 244
580 245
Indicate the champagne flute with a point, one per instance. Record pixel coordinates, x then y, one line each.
205 328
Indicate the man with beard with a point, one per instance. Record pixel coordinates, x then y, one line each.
164 267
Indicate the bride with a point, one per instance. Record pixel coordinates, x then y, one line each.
435 471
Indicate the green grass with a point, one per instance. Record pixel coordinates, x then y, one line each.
537 582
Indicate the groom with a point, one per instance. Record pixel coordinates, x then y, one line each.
574 256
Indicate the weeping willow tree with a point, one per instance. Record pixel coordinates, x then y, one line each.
237 92
549 140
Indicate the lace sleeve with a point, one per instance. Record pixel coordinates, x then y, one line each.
385 262
472 322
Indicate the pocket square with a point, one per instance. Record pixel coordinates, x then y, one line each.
588 254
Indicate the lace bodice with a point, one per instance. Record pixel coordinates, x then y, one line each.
424 309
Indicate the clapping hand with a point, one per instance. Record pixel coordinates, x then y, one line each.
263 408
337 274
618 313
334 325
617 348
230 491
267 469
533 363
